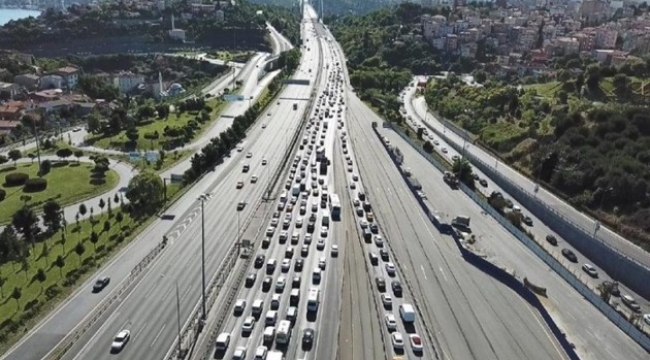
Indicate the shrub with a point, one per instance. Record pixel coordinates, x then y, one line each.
152 135
35 184
16 179
3 194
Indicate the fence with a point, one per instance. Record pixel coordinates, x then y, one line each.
548 259
66 344
624 269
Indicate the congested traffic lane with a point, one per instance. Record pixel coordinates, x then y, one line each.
472 315
567 306
181 262
540 231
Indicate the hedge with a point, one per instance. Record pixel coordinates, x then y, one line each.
16 179
35 184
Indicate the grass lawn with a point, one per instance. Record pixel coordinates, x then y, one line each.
121 142
39 297
66 184
548 90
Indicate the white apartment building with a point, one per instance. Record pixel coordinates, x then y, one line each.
126 81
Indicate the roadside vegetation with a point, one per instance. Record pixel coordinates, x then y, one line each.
584 134
65 182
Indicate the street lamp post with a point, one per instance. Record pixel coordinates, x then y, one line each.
203 198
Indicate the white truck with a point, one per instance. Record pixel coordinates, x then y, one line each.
275 355
407 313
296 190
326 218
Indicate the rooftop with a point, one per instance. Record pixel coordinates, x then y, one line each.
68 70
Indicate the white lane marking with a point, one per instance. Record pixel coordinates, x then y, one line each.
443 274
187 292
157 336
423 272
165 296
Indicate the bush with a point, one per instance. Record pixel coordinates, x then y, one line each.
3 194
16 179
152 136
35 184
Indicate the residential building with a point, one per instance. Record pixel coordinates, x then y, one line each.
12 111
606 37
10 89
49 106
219 16
177 34
125 81
7 126
28 81
70 76
51 81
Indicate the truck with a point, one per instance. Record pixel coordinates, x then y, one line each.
274 355
407 313
296 190
461 222
450 178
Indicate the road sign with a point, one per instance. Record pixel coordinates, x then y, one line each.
151 156
134 156
233 98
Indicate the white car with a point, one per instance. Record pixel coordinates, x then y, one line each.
240 306
260 353
320 245
249 155
646 318
263 126
239 354
444 150
589 269
263 161
254 179
120 340
280 284
390 269
335 250
397 340
299 222
286 265
387 300
323 231
248 325
416 343
321 263
391 323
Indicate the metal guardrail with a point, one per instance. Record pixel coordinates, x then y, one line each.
570 277
68 342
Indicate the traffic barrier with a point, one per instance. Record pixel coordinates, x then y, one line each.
620 321
537 289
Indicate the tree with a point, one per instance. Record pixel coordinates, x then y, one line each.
109 208
94 238
16 295
79 249
605 290
15 155
78 154
145 192
119 218
83 209
26 223
132 134
462 168
116 198
76 218
60 263
41 276
427 146
46 166
94 124
3 159
64 153
107 226
52 216
102 204
621 83
63 241
31 156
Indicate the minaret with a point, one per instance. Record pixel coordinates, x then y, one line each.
160 82
173 27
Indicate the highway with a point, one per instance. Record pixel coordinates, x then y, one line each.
290 231
538 229
148 310
604 234
65 318
603 340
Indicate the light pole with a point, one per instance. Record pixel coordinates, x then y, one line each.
203 198
178 319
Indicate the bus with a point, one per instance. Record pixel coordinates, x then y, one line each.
335 206
313 299
284 332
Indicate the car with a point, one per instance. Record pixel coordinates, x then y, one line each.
263 126
295 283
570 255
101 283
527 220
241 205
321 263
307 239
299 222
323 231
298 264
240 306
444 150
120 340
483 182
268 114
253 179
646 318
266 284
391 323
248 325
280 284
308 337
383 254
270 230
260 352
390 269
374 260
589 269
397 340
381 284
286 265
250 280
304 251
379 241
320 244
374 228
239 354
264 162
397 288
240 184
416 343
551 240
259 261
386 300
275 301
335 250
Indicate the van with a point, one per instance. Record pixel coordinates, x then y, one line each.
316 275
271 318
223 340
407 313
269 334
367 235
292 314
258 306
294 297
